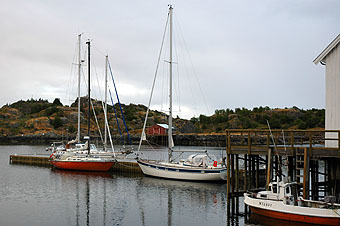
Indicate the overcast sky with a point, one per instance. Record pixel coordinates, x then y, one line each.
244 53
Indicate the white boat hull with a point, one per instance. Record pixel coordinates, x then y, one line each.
178 172
279 210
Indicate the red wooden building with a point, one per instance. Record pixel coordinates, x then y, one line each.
159 129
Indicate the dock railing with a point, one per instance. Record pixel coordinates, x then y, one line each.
324 143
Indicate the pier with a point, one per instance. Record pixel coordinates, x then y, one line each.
122 165
302 152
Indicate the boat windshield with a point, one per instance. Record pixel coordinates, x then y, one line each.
93 147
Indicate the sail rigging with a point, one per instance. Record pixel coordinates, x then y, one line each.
184 169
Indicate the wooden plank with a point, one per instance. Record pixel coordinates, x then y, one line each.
269 166
232 166
237 174
245 172
306 174
249 144
228 176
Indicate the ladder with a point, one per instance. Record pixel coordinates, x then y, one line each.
299 166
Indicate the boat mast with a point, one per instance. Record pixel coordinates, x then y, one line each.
89 96
105 99
79 72
170 141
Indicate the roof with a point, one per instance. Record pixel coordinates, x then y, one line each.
327 50
165 126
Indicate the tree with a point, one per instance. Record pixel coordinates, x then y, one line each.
57 102
56 122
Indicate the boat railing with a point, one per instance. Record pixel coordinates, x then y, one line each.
317 204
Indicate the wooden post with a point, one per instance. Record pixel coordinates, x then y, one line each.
228 142
306 174
269 166
312 172
250 185
249 144
292 140
253 169
228 176
237 176
232 161
245 172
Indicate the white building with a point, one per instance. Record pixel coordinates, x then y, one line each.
330 57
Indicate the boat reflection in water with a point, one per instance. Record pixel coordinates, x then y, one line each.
99 198
256 219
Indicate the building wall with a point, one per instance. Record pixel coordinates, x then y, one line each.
156 130
332 94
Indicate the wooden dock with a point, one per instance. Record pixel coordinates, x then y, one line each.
30 159
301 151
128 166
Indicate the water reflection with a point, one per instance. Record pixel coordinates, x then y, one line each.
115 199
262 220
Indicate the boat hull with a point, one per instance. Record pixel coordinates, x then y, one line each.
182 173
83 166
279 210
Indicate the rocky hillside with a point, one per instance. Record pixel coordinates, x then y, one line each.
287 118
41 118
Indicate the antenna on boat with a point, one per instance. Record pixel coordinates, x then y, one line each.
271 134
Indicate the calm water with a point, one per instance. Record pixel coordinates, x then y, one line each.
31 195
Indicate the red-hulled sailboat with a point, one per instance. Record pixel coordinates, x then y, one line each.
76 161
72 161
280 201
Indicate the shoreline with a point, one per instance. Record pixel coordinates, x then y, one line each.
179 139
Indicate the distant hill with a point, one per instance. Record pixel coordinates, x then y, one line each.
37 117
287 118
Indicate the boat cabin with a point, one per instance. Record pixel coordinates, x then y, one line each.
279 190
201 160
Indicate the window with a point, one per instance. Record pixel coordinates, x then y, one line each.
287 190
275 188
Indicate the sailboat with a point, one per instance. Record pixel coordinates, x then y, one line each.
71 160
196 167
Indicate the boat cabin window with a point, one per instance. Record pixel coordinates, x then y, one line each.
270 188
287 191
274 188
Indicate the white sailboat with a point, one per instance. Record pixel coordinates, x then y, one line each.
196 167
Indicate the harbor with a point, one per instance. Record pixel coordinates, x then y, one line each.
170 113
64 197
249 151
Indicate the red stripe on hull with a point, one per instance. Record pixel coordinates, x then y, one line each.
87 166
296 217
